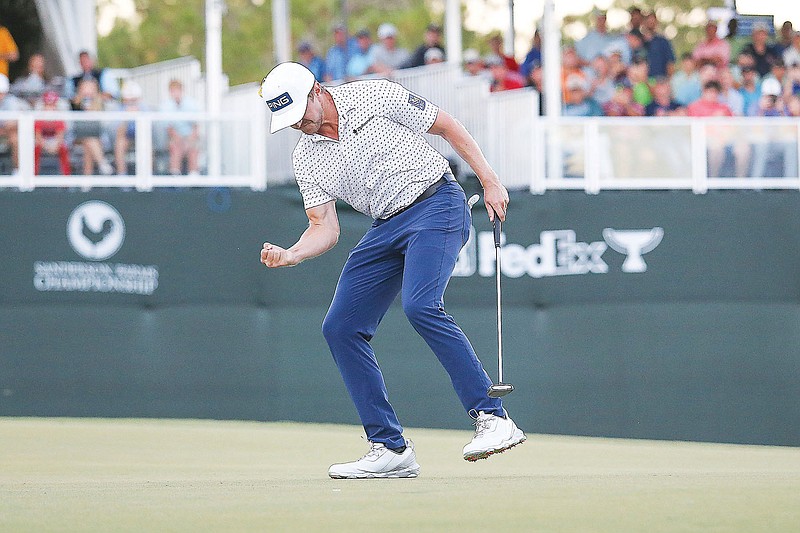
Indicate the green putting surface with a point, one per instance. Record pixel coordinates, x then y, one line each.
191 475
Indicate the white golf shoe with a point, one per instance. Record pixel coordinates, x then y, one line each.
379 462
493 434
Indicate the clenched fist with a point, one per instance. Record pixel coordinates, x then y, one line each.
274 256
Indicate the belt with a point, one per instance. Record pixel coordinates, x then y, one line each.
427 193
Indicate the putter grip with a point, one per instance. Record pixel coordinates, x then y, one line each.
496 226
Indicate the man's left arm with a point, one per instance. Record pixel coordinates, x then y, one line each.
495 195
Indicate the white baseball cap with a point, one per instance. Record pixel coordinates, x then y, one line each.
285 91
131 90
771 86
387 30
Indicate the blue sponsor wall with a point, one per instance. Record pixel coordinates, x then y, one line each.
645 314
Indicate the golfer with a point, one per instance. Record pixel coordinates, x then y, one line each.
362 143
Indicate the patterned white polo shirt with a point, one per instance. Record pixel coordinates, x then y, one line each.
381 162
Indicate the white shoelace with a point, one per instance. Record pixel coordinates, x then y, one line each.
481 423
375 449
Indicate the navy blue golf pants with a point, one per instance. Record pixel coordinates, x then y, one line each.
413 252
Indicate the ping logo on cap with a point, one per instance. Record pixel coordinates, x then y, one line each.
279 102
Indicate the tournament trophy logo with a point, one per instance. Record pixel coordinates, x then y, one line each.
634 244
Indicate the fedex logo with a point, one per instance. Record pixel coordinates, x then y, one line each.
279 102
558 253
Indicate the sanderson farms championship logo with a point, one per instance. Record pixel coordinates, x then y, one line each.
95 231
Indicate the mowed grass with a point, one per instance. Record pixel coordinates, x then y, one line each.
190 475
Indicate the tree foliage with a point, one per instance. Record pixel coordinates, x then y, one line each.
174 28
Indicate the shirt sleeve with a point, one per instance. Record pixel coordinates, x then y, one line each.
407 108
313 195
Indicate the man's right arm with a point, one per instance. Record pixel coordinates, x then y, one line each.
322 235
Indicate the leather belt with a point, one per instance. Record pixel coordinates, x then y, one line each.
427 193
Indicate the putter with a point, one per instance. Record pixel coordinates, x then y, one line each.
499 389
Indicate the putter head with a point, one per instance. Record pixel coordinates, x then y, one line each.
499 390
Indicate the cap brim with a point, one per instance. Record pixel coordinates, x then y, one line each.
283 120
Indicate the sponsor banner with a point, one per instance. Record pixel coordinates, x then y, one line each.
95 231
558 253
202 246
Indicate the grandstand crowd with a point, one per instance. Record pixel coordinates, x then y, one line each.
630 73
88 146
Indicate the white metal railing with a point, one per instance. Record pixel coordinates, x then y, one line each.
149 152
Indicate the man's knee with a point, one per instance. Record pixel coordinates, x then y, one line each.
418 311
335 327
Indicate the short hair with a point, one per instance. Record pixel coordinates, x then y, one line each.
713 84
174 82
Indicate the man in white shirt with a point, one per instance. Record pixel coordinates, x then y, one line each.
363 143
387 56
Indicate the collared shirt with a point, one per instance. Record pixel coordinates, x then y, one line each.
594 44
381 162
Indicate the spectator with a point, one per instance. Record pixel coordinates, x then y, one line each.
184 135
533 57
473 64
730 95
596 41
685 83
770 103
786 36
638 75
125 134
750 90
8 128
570 64
578 102
49 136
496 47
712 48
432 39
629 46
637 18
719 138
793 80
617 70
87 132
791 55
32 86
660 54
107 86
743 60
502 78
601 83
764 53
361 61
778 72
9 53
662 105
793 106
339 54
311 60
387 55
434 56
622 103
767 140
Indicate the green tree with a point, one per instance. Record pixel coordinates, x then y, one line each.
171 28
